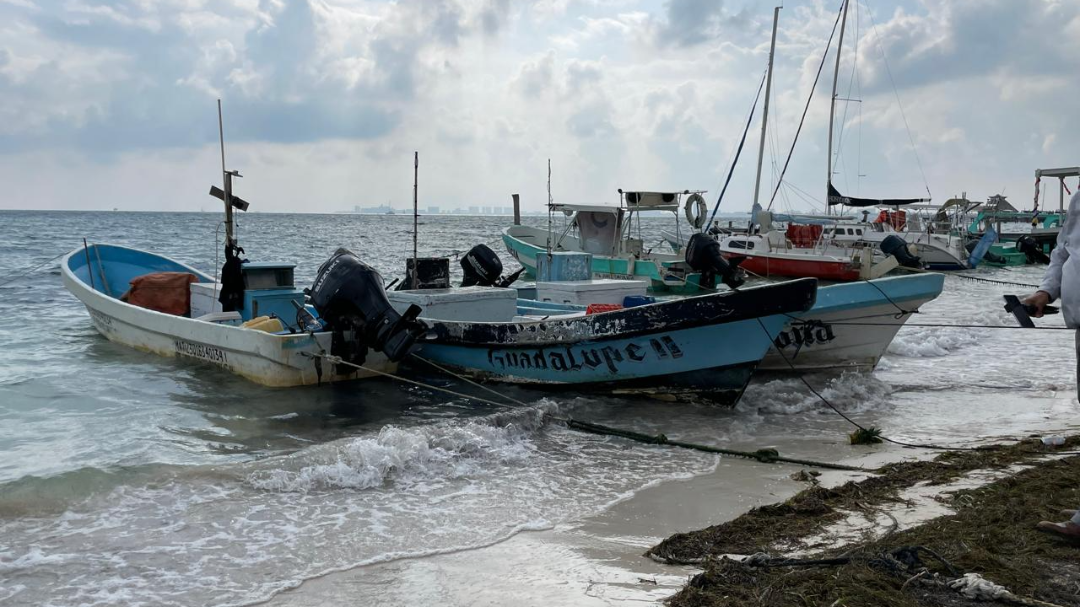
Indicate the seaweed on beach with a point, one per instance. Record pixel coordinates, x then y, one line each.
991 533
812 509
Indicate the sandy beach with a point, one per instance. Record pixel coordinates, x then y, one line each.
600 560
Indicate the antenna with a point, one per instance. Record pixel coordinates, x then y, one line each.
415 212
550 210
226 195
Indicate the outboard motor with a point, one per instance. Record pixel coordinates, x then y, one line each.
482 267
895 246
703 255
350 298
1030 248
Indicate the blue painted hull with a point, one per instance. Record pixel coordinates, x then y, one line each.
707 345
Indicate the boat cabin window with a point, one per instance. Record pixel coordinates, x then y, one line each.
740 244
858 232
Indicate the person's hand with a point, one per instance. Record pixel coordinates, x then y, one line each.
1039 299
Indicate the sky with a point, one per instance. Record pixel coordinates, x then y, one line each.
112 104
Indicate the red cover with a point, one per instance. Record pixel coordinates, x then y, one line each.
897 219
803 235
168 292
598 308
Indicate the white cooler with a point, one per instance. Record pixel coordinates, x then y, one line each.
468 304
585 292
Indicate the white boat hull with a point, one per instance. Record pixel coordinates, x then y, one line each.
264 358
850 337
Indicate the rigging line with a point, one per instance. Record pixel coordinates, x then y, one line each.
802 120
27 271
731 171
899 104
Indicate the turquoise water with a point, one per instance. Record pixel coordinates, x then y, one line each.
126 478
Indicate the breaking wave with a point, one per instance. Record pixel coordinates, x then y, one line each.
446 450
926 342
852 392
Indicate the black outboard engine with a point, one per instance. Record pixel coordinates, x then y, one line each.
350 298
895 246
703 255
483 268
1030 248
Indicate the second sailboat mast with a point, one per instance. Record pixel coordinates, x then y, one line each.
832 107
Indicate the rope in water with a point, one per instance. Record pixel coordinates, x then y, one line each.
968 277
767 456
26 272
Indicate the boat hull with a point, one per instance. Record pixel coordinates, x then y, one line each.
851 325
264 358
793 267
708 345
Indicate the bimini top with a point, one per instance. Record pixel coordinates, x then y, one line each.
658 201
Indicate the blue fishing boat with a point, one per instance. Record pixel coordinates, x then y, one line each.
708 345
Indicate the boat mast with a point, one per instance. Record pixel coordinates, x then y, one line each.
832 108
765 110
415 213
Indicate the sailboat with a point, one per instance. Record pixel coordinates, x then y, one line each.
804 248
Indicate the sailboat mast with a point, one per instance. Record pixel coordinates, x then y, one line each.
765 110
832 107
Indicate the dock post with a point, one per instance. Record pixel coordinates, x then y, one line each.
517 209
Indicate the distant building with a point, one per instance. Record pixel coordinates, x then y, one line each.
474 210
433 210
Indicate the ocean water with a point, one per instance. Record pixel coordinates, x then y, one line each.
130 479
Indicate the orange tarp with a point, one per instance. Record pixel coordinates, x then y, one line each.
168 292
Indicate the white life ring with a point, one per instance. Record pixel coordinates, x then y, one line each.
696 211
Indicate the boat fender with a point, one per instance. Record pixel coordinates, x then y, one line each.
696 210
350 299
895 246
481 266
1030 248
703 255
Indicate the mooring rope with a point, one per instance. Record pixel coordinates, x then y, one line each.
968 277
766 456
26 272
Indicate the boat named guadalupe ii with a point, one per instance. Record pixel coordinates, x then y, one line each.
155 304
707 346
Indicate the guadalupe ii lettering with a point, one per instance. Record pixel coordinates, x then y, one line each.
585 357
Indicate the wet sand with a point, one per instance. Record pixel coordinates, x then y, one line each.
599 560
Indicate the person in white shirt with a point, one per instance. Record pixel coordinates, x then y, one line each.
1062 281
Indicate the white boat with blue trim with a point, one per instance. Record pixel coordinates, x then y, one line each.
99 274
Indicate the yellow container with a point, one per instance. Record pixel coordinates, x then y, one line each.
265 323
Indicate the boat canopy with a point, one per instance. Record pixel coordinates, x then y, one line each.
570 208
652 201
836 198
